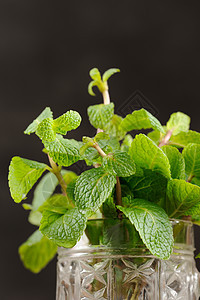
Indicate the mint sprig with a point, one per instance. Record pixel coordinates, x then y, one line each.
101 83
145 178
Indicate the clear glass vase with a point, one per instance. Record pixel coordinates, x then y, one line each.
111 262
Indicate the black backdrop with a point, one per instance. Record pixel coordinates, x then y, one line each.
46 51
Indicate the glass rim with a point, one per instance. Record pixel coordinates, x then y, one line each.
172 220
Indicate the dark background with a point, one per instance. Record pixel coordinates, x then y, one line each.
46 51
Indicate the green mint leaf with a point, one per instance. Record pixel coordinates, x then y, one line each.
150 186
90 88
112 142
27 206
93 187
178 122
91 156
35 217
95 74
47 113
71 189
43 191
113 229
109 146
114 129
148 156
87 139
181 196
94 231
64 152
153 225
191 154
88 142
109 73
57 203
107 165
67 122
140 119
68 176
37 252
155 136
121 163
127 200
194 212
176 160
100 115
101 136
85 147
45 131
196 180
23 174
126 144
109 209
184 138
65 230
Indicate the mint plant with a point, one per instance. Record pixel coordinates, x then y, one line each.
146 178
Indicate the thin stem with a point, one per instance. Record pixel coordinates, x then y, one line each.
118 197
106 97
190 177
101 152
118 192
166 138
56 171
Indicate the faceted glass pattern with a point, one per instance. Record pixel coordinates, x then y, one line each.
116 272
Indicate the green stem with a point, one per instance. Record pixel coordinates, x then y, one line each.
100 151
106 97
56 170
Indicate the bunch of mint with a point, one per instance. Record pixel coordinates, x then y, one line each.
147 179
